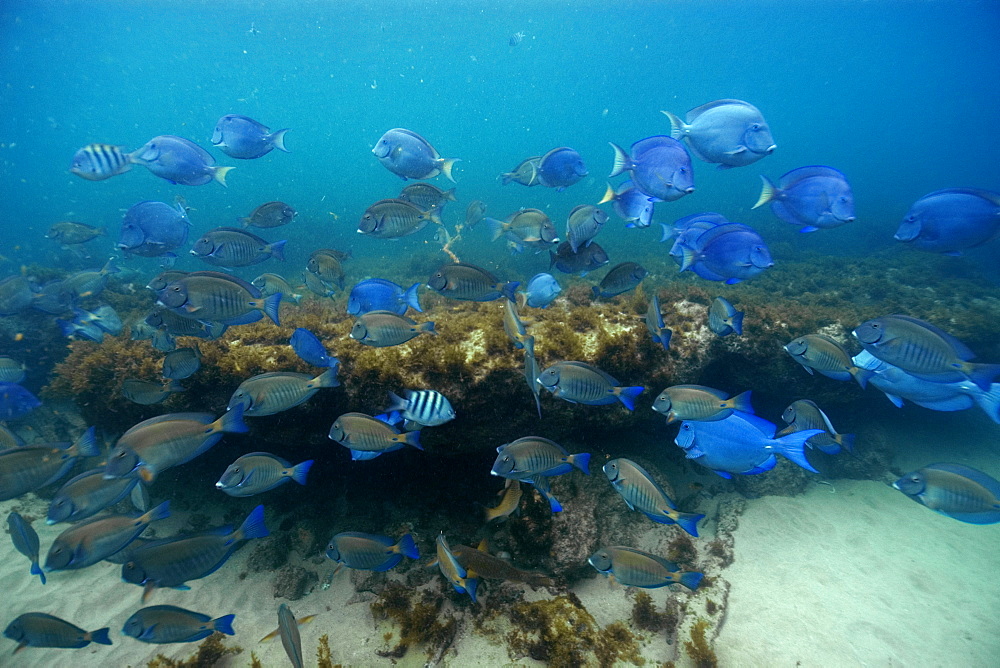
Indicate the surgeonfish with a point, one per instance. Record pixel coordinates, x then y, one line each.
147 393
821 353
86 495
640 492
584 261
270 284
515 329
631 204
804 414
526 173
479 561
259 472
218 297
38 629
270 214
31 467
245 139
181 363
427 195
367 437
470 283
510 499
235 247
409 156
813 198
15 402
635 568
582 383
658 331
463 580
277 391
162 624
531 373
382 329
583 224
951 221
71 232
724 319
310 349
86 543
732 133
527 228
699 403
560 168
660 167
620 278
154 229
395 218
531 456
541 290
960 492
370 552
179 161
377 294
25 541
327 265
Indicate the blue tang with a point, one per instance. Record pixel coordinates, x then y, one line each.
731 252
813 198
244 138
378 294
310 349
180 161
741 443
542 289
732 133
631 204
954 490
168 624
409 156
16 401
560 168
660 167
950 221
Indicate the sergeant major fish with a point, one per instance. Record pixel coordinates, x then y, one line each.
425 408
97 162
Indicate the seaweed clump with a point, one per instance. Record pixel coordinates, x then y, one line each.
209 652
646 617
698 648
418 618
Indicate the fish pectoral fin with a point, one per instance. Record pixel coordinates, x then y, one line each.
741 149
190 308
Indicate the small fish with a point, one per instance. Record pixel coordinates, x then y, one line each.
525 173
30 467
180 161
531 373
923 350
813 198
9 439
181 363
86 543
960 492
370 552
699 403
81 331
660 167
217 297
640 492
821 353
536 456
635 568
234 247
326 263
15 401
631 204
69 232
479 561
509 502
620 278
96 162
724 319
86 495
583 262
423 408
147 393
516 38
38 629
560 168
169 440
462 580
367 437
427 196
270 214
951 221
804 414
475 212
581 383
311 350
290 638
16 294
270 284
169 624
277 391
104 317
541 290
732 133
515 329
470 283
527 228
154 229
410 156
659 332
298 622
378 294
583 224
317 285
244 138
395 218
11 371
381 329
260 472
89 283
25 541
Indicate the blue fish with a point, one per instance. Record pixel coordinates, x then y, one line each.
180 161
310 349
954 490
660 167
168 624
244 138
732 133
631 204
812 197
731 252
104 317
25 541
950 221
560 168
378 294
541 290
724 319
152 229
83 331
741 443
409 156
15 401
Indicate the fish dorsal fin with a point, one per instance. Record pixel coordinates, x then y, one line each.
483 546
698 111
812 171
962 351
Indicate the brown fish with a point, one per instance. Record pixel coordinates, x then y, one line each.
485 565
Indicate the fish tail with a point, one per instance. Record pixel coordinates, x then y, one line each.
396 403
412 298
446 165
36 570
509 289
253 526
232 421
622 162
597 292
539 580
300 471
552 259
793 447
860 375
990 402
329 377
278 249
109 267
581 460
86 445
66 326
669 232
736 322
689 522
244 221
628 395
412 438
270 307
224 624
277 140
496 228
296 298
100 636
174 386
434 215
982 374
847 442
427 327
609 195
690 579
407 546
219 174
741 402
470 584
688 258
677 127
767 192
160 512
506 178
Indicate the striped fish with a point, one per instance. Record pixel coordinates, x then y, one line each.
536 456
642 493
635 568
423 407
582 383
370 552
86 495
277 391
96 162
259 472
368 437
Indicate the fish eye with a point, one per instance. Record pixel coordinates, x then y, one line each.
120 455
755 126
